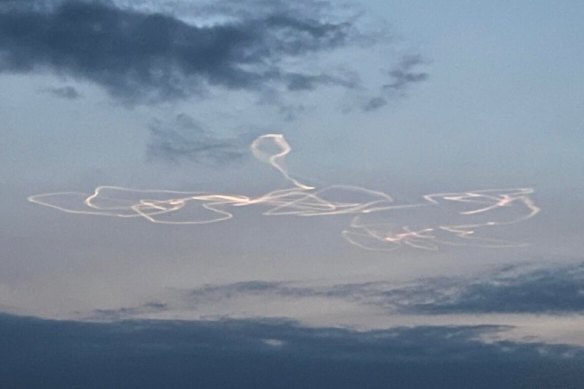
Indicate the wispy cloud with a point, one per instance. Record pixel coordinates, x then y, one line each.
185 139
551 290
555 290
405 73
64 92
401 76
124 313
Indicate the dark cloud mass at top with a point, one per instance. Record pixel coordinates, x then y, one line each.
147 52
144 57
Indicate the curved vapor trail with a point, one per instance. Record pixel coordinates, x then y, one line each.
446 219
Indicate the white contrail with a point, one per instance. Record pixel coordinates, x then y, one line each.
374 226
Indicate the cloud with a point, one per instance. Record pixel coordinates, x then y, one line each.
185 139
149 52
273 353
147 57
375 103
405 73
65 92
555 290
548 291
122 313
235 9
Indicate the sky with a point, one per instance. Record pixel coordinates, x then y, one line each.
307 194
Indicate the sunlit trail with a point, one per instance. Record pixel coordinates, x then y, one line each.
260 149
378 224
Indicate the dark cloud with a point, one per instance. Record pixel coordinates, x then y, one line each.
185 139
557 290
371 292
141 56
273 49
125 312
17 5
405 73
273 354
65 92
145 57
291 112
236 9
383 294
375 103
554 291
220 292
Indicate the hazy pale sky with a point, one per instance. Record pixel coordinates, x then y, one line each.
408 98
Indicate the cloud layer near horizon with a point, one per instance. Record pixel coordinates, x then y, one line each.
272 353
515 290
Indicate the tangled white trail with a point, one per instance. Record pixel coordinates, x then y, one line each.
446 219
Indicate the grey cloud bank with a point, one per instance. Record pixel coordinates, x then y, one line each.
146 53
135 54
551 290
272 353
148 57
143 56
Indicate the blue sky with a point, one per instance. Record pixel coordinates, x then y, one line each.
407 99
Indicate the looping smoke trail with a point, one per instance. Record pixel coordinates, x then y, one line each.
378 224
448 219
